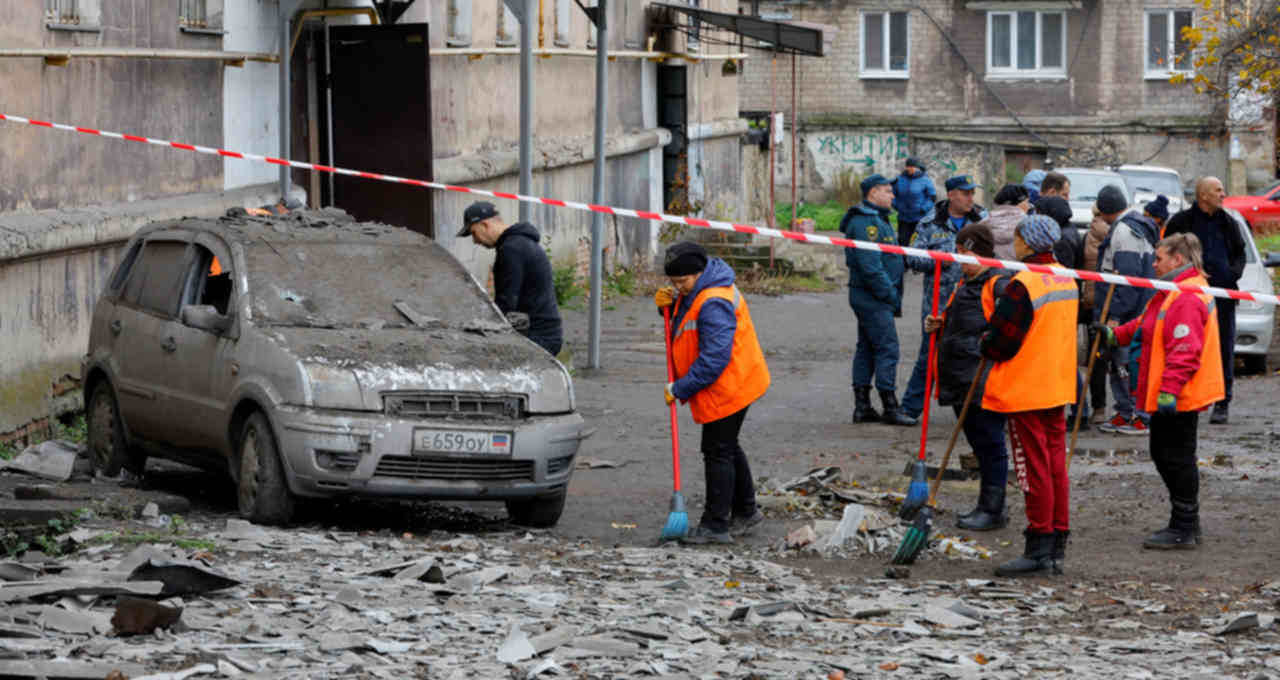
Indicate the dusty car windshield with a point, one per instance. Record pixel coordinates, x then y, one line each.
1152 182
335 284
1085 188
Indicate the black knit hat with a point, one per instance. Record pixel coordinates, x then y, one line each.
684 258
915 163
1012 194
1056 207
1111 200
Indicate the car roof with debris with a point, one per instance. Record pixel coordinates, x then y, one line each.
324 225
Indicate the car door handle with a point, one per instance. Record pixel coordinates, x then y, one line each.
169 345
116 327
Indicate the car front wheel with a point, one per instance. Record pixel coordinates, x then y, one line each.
108 448
541 512
263 491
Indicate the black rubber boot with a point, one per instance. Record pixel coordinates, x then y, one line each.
1183 532
893 414
990 515
1037 557
1221 414
862 411
1060 551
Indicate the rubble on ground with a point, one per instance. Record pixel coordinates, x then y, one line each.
306 602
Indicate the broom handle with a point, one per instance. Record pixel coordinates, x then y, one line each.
1088 375
955 431
929 370
671 377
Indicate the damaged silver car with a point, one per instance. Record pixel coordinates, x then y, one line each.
314 356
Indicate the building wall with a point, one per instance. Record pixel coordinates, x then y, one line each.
159 98
1103 112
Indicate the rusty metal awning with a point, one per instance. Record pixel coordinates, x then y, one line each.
795 37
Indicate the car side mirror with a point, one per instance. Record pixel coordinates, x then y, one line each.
1272 260
205 318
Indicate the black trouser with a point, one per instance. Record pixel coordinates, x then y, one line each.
731 492
1173 450
1227 338
905 230
1098 379
985 431
552 345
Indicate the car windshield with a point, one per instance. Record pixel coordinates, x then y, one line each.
335 284
1270 188
1085 188
1152 182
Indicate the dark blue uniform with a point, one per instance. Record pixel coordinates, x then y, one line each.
875 294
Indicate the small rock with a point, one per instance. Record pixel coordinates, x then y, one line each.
801 537
897 572
150 510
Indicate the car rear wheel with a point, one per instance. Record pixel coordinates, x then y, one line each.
108 448
541 512
263 491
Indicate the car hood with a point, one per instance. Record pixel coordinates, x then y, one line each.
352 368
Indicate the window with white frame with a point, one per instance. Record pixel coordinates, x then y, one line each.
508 26
459 24
1027 44
1167 51
885 45
564 23
73 15
200 16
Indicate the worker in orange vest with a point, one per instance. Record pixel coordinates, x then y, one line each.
1032 338
1179 375
720 371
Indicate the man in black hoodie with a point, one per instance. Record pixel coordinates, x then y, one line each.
1224 261
522 285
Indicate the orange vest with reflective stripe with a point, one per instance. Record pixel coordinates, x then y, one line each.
1043 372
746 377
1206 386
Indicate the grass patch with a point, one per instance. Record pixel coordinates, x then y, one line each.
8 452
1268 243
761 282
138 537
827 216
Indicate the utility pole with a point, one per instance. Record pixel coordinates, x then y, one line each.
597 184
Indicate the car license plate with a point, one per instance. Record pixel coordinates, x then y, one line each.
461 441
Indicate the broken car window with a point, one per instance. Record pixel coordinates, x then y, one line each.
333 284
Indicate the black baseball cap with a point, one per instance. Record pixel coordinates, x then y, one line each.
480 210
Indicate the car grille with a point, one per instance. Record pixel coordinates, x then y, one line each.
453 405
557 466
461 469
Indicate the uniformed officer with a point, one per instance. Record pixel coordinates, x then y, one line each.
875 294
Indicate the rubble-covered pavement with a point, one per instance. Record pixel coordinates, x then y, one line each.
310 602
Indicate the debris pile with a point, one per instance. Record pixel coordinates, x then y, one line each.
270 603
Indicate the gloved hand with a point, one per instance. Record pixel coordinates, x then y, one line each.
1166 403
1108 335
664 297
932 324
666 394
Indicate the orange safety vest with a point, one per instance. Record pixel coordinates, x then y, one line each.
1207 385
1043 372
746 377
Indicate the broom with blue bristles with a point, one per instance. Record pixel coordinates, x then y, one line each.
678 519
918 491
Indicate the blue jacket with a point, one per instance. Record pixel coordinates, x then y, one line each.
913 195
1129 249
937 232
717 325
877 276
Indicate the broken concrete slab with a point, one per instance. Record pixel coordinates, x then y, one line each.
181 577
47 460
16 593
64 668
48 492
516 647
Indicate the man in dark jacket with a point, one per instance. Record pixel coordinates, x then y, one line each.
1223 254
1130 250
959 354
1069 252
913 196
938 232
522 283
875 294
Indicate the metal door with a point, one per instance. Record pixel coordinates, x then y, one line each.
382 121
672 115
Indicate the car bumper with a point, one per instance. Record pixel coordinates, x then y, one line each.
343 453
1254 329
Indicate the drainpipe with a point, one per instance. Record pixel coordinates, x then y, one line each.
597 190
287 8
526 106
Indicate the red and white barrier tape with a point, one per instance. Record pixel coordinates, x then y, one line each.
1084 275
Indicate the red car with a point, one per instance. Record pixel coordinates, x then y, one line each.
1260 210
